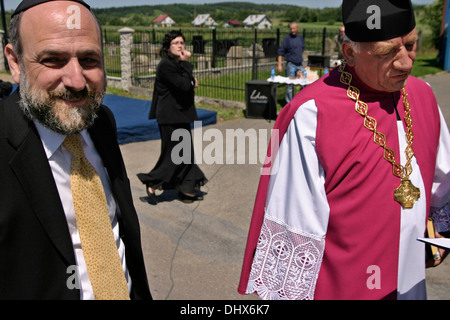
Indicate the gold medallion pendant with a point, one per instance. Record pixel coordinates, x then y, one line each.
406 194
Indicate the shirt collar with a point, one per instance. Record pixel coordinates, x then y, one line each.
52 140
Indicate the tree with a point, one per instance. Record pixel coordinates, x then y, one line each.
433 18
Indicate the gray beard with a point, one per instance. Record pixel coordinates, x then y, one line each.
43 107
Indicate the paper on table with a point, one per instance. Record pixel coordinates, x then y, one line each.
286 80
443 243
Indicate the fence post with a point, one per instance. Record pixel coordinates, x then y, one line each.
126 59
324 37
214 48
279 37
254 61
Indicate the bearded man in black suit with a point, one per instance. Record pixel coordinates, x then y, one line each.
56 57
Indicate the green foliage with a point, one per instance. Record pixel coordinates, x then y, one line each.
432 17
303 14
221 12
279 14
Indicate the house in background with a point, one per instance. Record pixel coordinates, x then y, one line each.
204 20
258 21
232 23
163 21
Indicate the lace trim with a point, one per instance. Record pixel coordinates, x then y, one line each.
286 263
441 218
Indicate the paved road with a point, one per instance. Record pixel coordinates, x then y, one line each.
194 251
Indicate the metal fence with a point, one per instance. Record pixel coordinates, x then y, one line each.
224 59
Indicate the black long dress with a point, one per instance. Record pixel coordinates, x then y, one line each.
173 107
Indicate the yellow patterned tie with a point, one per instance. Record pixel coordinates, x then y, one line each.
94 226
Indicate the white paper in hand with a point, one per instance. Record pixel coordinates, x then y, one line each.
443 243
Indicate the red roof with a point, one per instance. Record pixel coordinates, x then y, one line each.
234 22
160 18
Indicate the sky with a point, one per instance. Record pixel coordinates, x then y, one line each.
12 4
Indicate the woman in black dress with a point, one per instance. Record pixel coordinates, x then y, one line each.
173 108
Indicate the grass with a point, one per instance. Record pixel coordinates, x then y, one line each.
426 64
223 114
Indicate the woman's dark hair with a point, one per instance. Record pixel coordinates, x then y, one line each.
164 52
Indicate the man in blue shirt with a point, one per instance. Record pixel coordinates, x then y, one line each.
291 49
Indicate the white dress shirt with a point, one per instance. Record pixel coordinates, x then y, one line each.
60 160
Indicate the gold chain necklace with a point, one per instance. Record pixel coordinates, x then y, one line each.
406 194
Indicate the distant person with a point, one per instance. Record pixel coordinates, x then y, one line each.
68 226
173 108
291 50
339 39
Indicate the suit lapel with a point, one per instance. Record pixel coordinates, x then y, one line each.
100 135
31 167
103 136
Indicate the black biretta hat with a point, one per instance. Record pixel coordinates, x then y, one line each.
377 20
27 4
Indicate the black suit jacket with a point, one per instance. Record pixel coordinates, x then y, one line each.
35 245
173 94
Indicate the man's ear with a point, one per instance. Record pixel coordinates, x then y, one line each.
13 62
349 53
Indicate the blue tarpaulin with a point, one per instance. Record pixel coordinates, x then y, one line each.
133 124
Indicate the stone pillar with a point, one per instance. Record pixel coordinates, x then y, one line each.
2 55
235 56
126 58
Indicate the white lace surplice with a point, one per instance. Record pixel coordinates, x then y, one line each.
286 263
290 249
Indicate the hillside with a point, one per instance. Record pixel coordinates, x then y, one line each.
184 13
